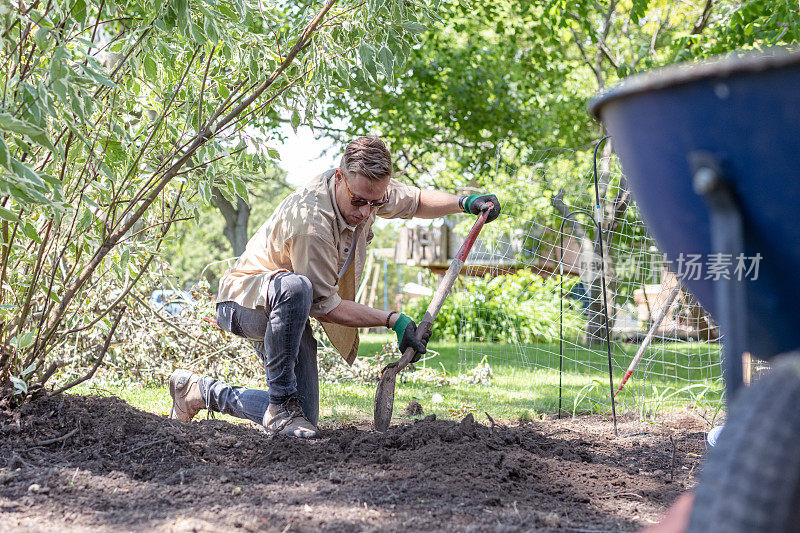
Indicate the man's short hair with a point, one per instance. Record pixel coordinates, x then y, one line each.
369 157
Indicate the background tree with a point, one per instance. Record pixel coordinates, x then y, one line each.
196 244
236 211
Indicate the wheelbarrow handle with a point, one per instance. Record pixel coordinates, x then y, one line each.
445 286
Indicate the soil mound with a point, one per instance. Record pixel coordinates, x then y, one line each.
75 462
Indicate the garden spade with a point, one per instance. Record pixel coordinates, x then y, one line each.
384 395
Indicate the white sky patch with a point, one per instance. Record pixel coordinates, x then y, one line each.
303 155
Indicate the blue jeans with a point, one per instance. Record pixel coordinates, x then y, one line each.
282 337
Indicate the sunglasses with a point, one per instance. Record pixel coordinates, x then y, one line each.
357 201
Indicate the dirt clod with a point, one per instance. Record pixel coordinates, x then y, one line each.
413 409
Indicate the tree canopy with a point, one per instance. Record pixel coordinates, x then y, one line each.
519 74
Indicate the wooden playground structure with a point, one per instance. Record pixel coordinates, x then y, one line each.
433 247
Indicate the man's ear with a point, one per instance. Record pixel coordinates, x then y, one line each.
337 175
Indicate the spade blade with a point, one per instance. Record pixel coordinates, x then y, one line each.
384 397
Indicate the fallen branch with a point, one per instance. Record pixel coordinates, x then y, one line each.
672 460
169 322
159 441
99 358
491 420
47 442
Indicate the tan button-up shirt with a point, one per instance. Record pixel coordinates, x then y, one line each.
307 234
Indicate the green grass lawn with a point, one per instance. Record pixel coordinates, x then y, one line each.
525 382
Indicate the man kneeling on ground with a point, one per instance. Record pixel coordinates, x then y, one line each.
306 260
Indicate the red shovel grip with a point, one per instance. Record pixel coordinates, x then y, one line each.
472 236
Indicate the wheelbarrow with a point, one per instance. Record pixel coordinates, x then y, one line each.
712 155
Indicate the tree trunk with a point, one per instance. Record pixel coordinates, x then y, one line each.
590 263
596 326
592 278
236 219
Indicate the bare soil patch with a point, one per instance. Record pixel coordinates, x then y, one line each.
76 463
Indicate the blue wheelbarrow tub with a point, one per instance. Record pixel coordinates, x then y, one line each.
746 111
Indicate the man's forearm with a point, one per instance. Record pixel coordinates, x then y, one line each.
349 313
435 204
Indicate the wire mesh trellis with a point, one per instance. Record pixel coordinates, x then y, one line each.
534 306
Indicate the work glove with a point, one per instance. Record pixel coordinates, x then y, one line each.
406 331
477 203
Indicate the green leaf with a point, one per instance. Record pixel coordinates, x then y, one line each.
210 29
226 11
123 261
27 176
20 387
86 219
22 342
43 40
273 153
226 192
254 68
386 58
239 6
31 233
182 13
343 70
197 33
414 27
79 10
53 296
60 89
367 55
240 187
58 68
10 123
204 189
5 154
5 214
150 68
295 120
43 140
98 75
638 10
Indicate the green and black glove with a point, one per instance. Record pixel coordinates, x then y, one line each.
477 203
406 331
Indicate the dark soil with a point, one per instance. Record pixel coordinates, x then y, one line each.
122 469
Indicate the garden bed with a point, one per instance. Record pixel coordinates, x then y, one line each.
87 462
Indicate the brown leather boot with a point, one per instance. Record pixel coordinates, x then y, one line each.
185 392
288 419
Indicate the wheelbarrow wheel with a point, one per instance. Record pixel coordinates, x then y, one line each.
751 480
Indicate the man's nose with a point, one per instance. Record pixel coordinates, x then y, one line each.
364 210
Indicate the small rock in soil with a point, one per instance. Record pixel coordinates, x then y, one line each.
35 488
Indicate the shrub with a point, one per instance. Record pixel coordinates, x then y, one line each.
519 308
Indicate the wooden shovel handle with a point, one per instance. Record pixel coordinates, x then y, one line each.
445 286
